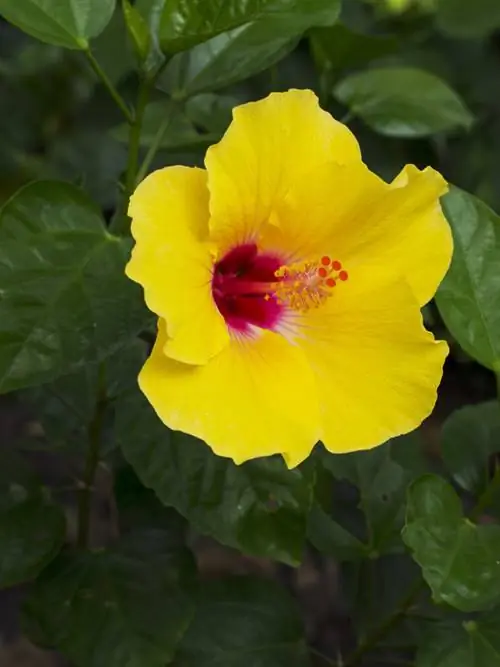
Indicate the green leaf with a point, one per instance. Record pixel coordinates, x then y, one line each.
113 51
403 102
151 11
129 605
470 436
456 642
330 537
468 298
211 111
32 529
138 30
70 24
459 560
185 24
244 51
64 298
179 134
244 622
337 47
260 507
468 19
381 476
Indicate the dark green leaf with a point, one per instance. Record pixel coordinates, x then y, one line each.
112 50
66 24
331 538
180 133
468 19
126 606
32 529
338 48
64 298
211 111
381 476
138 30
151 11
469 438
403 102
455 642
185 24
460 561
259 507
469 296
244 622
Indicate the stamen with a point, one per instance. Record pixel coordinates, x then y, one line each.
305 286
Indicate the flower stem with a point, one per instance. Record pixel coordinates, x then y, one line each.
109 86
155 145
120 223
94 433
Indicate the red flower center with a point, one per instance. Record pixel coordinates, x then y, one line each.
240 286
252 288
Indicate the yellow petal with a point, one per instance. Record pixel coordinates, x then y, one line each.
256 398
353 216
267 149
377 368
173 261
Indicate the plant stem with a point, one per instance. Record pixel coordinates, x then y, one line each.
120 223
109 86
94 433
155 145
323 657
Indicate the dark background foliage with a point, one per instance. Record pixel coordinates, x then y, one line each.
123 544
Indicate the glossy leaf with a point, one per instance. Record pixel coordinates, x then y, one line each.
469 296
138 30
243 622
468 19
187 23
470 436
381 477
129 605
459 559
68 24
32 528
64 298
243 51
403 102
259 507
151 11
458 642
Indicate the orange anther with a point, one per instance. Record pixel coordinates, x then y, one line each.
336 265
330 282
322 273
343 275
325 260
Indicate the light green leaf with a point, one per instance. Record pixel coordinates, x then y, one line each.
403 102
129 605
460 561
468 19
185 24
470 436
244 622
64 298
469 296
70 23
456 642
138 30
32 528
259 507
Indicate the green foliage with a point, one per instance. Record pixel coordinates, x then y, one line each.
68 24
459 559
106 545
403 102
468 297
129 604
65 299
